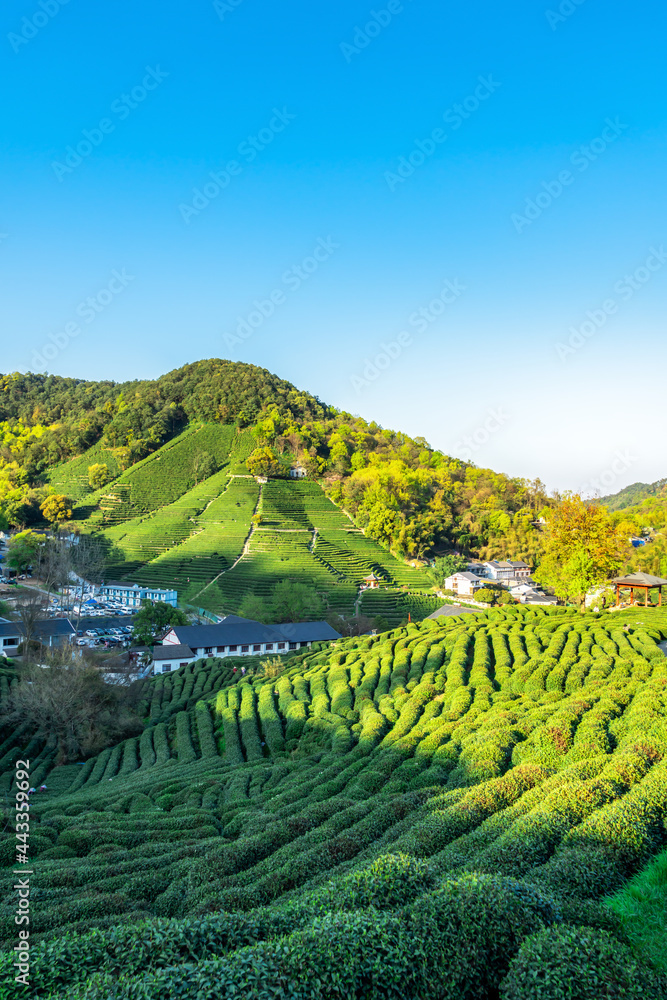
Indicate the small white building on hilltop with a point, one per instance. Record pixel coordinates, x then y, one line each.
298 472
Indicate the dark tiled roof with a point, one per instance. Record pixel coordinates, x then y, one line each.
52 627
171 652
307 631
241 631
449 610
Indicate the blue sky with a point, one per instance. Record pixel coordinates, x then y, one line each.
302 185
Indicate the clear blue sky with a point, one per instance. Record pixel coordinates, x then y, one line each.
516 190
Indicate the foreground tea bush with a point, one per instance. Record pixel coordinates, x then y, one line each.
456 941
578 963
312 819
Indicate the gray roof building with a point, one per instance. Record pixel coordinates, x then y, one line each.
235 631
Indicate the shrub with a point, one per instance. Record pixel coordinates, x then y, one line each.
579 963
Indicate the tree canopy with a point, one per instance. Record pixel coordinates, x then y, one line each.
583 548
154 619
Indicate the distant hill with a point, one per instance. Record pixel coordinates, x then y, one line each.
634 494
165 472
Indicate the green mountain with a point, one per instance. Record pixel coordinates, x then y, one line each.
161 472
633 495
439 811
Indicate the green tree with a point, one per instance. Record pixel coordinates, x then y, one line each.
153 619
256 608
583 548
23 549
295 602
57 508
264 462
99 475
447 566
494 595
204 466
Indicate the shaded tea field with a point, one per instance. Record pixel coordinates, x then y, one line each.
392 816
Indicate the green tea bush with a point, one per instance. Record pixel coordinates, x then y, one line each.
579 963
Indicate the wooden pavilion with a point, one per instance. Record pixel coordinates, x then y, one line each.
639 581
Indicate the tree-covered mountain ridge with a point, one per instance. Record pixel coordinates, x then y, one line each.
406 495
635 494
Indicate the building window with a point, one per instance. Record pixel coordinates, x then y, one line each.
257 648
232 649
281 645
182 664
166 668
208 650
294 645
303 645
221 649
244 649
269 647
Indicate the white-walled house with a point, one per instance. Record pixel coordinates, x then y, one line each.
171 657
464 584
236 636
506 570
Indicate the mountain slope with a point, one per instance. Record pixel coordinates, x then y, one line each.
405 495
635 494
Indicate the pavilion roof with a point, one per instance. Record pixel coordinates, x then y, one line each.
640 580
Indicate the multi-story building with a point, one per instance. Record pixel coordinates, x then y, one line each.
131 594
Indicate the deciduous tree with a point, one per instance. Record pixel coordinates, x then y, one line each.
153 619
583 548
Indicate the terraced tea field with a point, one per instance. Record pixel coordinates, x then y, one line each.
163 530
422 813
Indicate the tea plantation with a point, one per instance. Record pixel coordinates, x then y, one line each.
162 528
440 811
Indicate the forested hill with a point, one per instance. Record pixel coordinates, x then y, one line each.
635 494
402 493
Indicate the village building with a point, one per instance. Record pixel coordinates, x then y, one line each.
50 632
507 570
235 636
132 595
298 472
464 584
371 582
